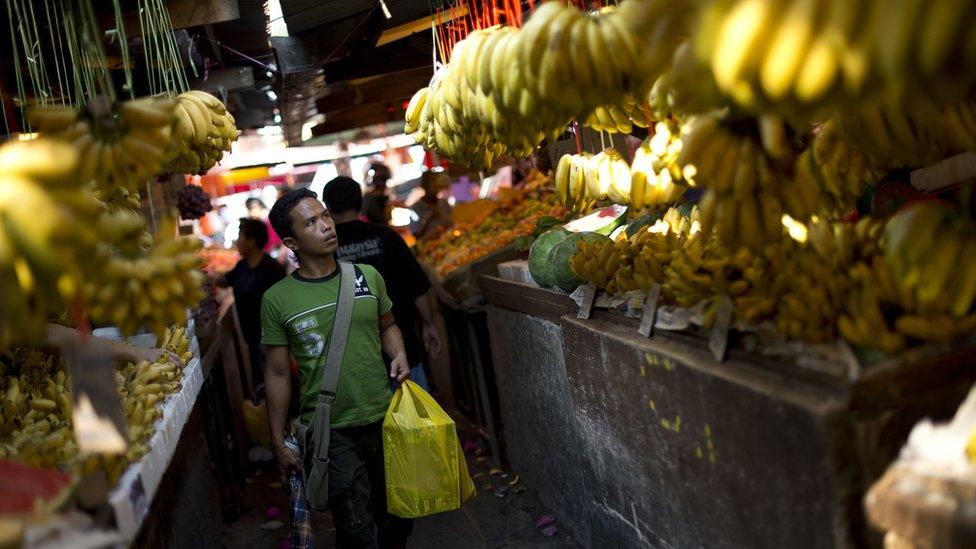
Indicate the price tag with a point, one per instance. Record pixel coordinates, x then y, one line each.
719 338
589 295
649 311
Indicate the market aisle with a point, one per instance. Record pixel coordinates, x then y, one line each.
502 515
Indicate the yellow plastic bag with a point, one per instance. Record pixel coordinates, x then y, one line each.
425 468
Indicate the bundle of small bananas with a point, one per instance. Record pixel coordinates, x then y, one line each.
118 145
654 170
598 262
151 288
911 131
636 262
704 269
622 118
839 170
46 235
747 192
35 423
202 131
811 277
932 253
570 183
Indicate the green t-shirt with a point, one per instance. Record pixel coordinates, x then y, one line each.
298 312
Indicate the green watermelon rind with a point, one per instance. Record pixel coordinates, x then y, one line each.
539 255
563 276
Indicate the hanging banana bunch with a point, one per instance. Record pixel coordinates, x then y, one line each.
139 287
118 145
655 174
46 235
202 131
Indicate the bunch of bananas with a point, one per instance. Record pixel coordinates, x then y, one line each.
144 385
622 118
619 51
811 276
120 198
932 253
687 88
583 179
636 262
839 170
46 235
35 401
118 146
505 89
202 131
654 170
909 131
747 193
150 288
570 182
704 269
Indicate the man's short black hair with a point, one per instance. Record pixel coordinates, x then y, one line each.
280 215
255 201
256 230
342 194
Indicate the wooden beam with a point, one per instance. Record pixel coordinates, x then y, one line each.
393 88
233 78
359 117
396 56
184 14
420 25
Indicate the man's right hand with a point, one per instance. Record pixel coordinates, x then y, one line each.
288 463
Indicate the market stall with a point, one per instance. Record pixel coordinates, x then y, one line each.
734 355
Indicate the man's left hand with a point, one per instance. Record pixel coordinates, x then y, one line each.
399 369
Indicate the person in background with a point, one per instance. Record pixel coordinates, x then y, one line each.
250 278
257 209
297 315
432 210
381 247
377 207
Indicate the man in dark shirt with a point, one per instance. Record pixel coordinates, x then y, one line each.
377 207
250 278
381 247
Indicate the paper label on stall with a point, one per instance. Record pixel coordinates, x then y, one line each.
719 338
97 409
589 294
650 310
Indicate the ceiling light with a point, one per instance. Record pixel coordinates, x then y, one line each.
386 10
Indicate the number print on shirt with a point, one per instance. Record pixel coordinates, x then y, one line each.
311 340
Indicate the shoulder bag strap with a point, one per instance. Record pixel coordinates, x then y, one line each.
340 329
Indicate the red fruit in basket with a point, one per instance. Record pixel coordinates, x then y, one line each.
29 490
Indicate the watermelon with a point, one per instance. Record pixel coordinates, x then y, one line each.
563 276
539 255
28 490
602 221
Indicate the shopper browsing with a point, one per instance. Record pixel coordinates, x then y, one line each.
376 206
381 247
298 315
250 279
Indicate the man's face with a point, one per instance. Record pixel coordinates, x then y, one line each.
244 244
314 229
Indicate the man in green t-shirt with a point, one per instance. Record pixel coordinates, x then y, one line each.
296 317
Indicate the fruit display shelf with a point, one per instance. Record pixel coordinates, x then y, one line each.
135 490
